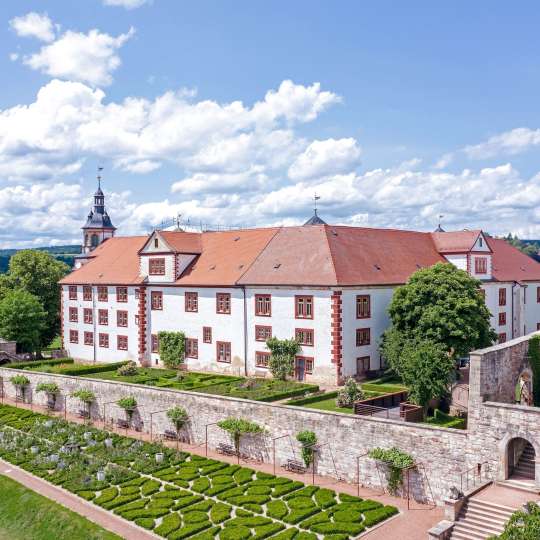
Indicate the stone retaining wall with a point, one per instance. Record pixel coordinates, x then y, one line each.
343 437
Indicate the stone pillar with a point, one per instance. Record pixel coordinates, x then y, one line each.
142 326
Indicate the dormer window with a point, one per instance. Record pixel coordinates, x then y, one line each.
157 267
480 242
156 243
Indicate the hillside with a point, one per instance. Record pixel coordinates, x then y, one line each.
62 253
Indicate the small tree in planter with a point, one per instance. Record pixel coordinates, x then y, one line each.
20 382
396 461
308 439
129 404
349 394
172 348
87 397
52 391
178 417
237 427
283 352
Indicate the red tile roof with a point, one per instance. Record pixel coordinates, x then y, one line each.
183 242
455 241
510 264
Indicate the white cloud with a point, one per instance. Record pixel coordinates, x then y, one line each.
444 161
76 56
511 142
324 158
128 4
37 25
14 57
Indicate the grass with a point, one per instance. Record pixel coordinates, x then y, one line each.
442 419
24 514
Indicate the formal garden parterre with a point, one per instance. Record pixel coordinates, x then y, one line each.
176 494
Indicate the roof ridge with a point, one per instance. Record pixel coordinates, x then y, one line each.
325 227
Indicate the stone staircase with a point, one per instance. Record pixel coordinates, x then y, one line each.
478 520
525 466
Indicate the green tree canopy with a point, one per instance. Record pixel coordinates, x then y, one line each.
22 319
442 304
523 525
171 348
38 273
283 352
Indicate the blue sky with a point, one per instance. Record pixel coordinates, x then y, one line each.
237 112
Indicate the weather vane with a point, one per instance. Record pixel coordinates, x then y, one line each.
315 199
99 176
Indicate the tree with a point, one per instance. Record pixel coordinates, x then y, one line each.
523 525
282 354
171 348
38 273
22 319
442 304
178 417
237 427
308 439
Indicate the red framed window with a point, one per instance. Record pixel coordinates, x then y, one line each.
102 294
223 303
156 267
89 338
121 294
73 292
121 318
155 343
363 336
480 265
502 318
104 341
73 336
87 316
262 358
304 336
122 343
223 351
263 305
192 348
191 301
303 307
207 334
262 333
87 292
502 337
308 363
502 297
363 306
73 314
156 300
103 317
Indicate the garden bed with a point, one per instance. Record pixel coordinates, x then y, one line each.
185 495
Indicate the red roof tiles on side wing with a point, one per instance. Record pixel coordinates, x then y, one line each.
455 241
183 242
510 264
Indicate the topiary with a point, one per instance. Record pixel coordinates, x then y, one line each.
308 440
396 460
48 388
237 427
178 416
20 380
128 403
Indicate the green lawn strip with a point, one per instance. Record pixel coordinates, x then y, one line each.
442 419
25 514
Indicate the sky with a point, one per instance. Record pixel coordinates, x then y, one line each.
236 113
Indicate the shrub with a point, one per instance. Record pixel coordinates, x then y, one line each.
127 370
146 523
150 487
48 388
83 369
86 396
172 348
396 460
220 512
170 523
178 416
283 352
128 403
308 439
19 380
372 517
237 427
349 394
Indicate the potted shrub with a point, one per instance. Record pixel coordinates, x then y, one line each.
20 382
129 404
237 428
86 397
178 417
52 390
308 440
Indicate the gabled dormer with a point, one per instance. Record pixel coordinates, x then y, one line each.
166 254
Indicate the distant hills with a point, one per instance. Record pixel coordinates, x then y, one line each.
62 253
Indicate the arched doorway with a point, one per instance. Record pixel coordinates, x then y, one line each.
521 461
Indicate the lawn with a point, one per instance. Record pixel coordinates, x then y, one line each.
180 495
442 419
24 514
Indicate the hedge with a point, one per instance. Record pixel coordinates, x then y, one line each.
83 369
372 517
308 388
312 399
34 363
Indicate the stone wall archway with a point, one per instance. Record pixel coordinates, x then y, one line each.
511 449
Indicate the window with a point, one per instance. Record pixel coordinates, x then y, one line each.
104 340
304 336
136 320
263 305
156 243
538 326
136 294
480 265
262 359
303 307
262 333
156 299
480 243
121 318
87 316
73 336
223 351
362 364
223 303
73 314
502 318
502 337
88 338
363 306
87 292
207 334
103 317
308 363
122 343
363 336
192 348
155 343
502 297
73 292
538 295
191 301
102 294
121 294
157 267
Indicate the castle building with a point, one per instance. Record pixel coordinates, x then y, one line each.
327 286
